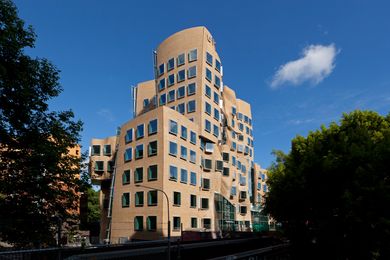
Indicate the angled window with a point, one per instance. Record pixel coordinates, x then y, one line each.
181 75
173 148
126 177
242 180
183 176
183 152
226 171
193 55
171 80
152 128
191 89
161 69
215 130
163 99
216 114
207 108
207 164
234 111
209 59
107 149
95 150
140 131
99 166
180 59
152 172
152 148
191 106
225 157
139 174
139 199
192 156
233 160
233 191
152 198
172 172
125 200
218 65
217 81
191 73
176 198
171 64
161 84
151 222
209 147
193 137
209 76
129 135
139 223
207 91
216 98
218 165
172 127
128 154
181 108
193 178
139 151
181 92
207 125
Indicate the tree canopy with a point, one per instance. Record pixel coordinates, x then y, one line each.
39 178
331 192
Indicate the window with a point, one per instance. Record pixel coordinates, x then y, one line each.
226 171
193 178
242 180
139 151
205 183
172 172
242 195
181 75
194 223
183 132
206 223
139 174
176 198
243 210
176 223
225 157
246 118
173 148
152 148
193 201
207 164
193 137
207 126
216 98
180 59
209 58
208 75
217 81
191 89
139 199
107 149
208 91
191 106
215 130
183 176
216 114
172 127
161 84
128 154
151 222
193 55
125 200
138 223
161 69
171 80
217 65
152 198
181 108
204 203
140 131
126 177
183 152
129 136
233 123
240 148
99 166
163 99
233 160
239 116
152 173
234 111
181 92
152 129
110 166
209 147
95 149
191 73
233 191
192 156
171 64
146 102
207 108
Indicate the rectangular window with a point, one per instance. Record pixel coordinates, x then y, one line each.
194 223
163 99
128 154
181 92
209 76
173 148
172 127
161 84
176 223
216 114
180 59
217 81
171 64
99 166
206 223
183 132
209 58
233 191
233 160
205 183
207 91
110 166
192 156
152 148
181 76
207 108
225 157
151 222
181 108
139 151
234 111
126 177
218 165
193 137
152 198
242 180
193 201
191 89
183 152
216 98
183 176
193 55
176 198
191 73
204 203
139 199
191 106
107 149
171 80
207 125
171 95
95 150
226 171
217 65
152 129
243 210
138 223
152 173
125 200
140 131
209 147
161 69
215 130
129 135
139 174
193 178
172 172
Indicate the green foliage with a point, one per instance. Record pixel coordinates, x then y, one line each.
332 190
93 206
39 180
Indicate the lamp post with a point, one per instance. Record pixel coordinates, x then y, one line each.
169 218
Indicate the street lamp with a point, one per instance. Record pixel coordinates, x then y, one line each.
169 218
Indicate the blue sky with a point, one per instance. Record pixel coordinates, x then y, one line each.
299 63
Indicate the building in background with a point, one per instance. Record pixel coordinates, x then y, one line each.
190 137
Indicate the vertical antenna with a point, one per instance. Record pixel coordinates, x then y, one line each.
134 99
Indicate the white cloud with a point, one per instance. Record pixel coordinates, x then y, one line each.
317 63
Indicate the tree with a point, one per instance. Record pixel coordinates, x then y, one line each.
331 192
39 178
